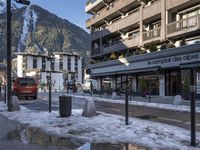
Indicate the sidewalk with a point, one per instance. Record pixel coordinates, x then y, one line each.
74 131
157 102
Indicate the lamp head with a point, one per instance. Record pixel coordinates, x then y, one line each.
24 2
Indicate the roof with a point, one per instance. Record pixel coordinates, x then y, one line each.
66 53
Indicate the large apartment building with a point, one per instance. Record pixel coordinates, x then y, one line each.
64 67
151 44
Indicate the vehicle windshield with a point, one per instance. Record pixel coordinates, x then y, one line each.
26 82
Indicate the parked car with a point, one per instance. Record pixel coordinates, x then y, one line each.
25 87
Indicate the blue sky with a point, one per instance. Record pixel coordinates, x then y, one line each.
72 10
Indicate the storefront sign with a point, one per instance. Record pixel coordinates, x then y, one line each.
175 59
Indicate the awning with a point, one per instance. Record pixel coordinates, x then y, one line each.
190 65
103 74
141 70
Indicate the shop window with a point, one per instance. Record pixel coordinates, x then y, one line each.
106 85
148 83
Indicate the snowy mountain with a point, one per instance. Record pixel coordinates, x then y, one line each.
3 6
35 29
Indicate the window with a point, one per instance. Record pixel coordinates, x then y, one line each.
52 63
24 64
61 64
43 63
76 64
34 62
190 19
69 63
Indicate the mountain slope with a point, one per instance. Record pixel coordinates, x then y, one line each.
3 6
35 29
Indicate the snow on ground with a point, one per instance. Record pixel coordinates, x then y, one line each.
105 128
180 108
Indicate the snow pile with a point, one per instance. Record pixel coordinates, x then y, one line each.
106 128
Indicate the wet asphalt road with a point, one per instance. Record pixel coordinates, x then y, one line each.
180 119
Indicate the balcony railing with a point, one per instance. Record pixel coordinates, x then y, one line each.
121 44
118 25
91 4
174 3
184 24
117 5
123 23
95 51
151 34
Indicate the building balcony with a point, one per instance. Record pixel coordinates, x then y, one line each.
174 3
152 10
105 12
151 35
95 52
128 21
183 27
92 4
121 44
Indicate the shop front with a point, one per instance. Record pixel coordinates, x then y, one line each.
178 81
163 73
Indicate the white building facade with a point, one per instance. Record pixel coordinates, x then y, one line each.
64 67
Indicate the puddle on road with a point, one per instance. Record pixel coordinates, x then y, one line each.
29 135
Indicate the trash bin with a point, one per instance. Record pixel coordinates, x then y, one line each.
65 106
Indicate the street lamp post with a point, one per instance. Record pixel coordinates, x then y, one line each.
50 93
91 87
124 61
9 65
126 103
49 83
192 109
9 57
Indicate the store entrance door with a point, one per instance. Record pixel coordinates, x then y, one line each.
177 82
173 81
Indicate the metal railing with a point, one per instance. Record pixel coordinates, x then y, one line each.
90 2
105 12
95 51
121 44
151 34
184 24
